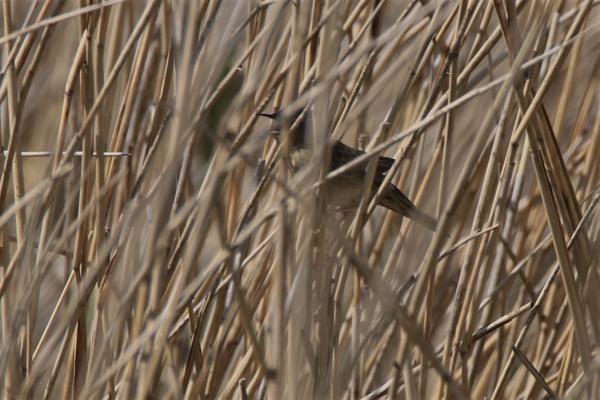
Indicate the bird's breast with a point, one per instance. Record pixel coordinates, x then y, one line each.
299 158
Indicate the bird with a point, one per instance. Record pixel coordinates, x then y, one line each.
344 192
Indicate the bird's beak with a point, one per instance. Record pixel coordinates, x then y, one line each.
268 115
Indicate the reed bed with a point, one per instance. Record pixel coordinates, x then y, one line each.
155 244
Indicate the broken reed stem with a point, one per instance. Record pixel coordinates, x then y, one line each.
35 154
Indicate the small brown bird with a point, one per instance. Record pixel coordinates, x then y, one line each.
345 191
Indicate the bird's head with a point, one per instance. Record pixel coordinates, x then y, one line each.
295 121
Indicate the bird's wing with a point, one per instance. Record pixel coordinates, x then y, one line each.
384 164
343 154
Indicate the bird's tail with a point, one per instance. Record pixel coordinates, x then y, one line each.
422 217
396 201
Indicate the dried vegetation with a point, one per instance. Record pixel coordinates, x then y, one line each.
153 246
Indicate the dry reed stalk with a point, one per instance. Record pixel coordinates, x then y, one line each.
155 244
